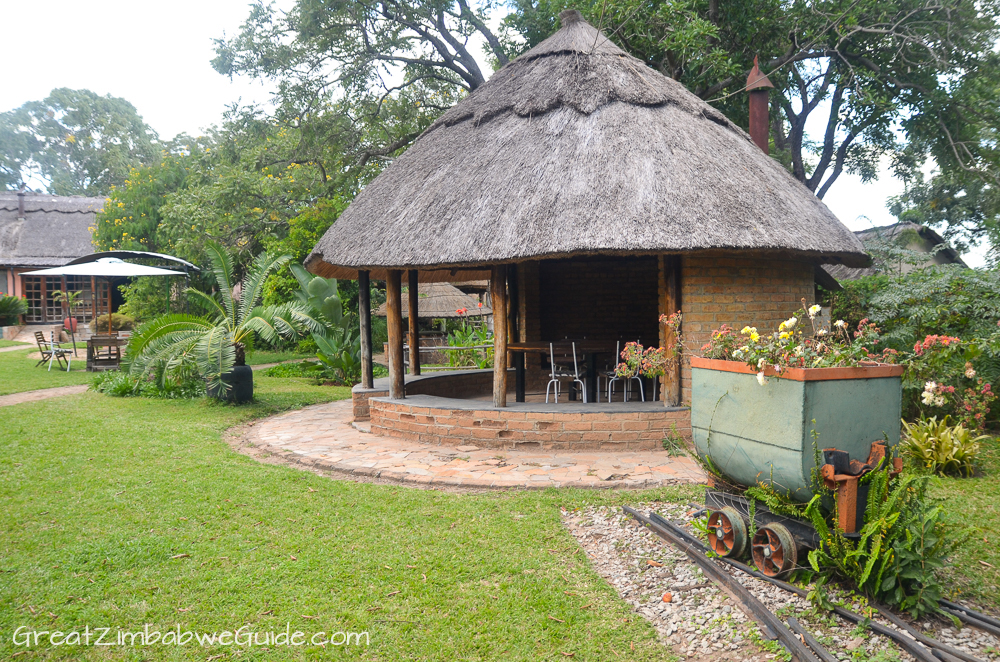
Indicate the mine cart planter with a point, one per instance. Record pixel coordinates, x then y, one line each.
771 433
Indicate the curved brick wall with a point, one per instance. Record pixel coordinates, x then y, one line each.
443 421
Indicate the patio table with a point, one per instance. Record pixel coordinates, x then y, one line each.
590 348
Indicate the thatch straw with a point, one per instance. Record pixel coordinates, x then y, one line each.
578 148
441 301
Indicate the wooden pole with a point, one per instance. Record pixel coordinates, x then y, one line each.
365 316
394 320
498 296
670 298
413 291
93 302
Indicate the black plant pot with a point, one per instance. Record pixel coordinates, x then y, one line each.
240 386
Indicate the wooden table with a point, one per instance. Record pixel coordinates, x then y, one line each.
589 348
104 352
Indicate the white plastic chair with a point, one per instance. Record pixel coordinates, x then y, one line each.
58 352
558 372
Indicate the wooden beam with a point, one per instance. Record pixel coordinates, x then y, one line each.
670 303
498 301
365 316
394 320
414 318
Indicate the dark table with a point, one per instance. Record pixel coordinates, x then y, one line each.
589 348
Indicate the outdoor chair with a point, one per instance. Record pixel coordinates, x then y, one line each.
627 380
52 351
559 372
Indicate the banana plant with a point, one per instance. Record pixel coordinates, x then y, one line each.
339 340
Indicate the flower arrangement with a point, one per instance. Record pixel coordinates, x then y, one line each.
796 345
652 362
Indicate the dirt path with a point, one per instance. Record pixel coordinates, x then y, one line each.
41 394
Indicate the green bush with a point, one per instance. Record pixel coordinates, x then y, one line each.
11 308
903 544
123 385
942 448
118 323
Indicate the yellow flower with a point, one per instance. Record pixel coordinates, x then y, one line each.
754 336
784 334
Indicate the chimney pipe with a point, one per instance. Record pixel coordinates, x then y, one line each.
20 203
757 86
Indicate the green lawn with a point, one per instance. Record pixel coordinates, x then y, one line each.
11 343
138 512
260 357
18 373
975 503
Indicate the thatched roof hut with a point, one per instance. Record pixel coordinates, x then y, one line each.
577 148
441 301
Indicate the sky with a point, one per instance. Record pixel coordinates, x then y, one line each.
158 57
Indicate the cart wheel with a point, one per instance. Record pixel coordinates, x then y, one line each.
727 533
774 551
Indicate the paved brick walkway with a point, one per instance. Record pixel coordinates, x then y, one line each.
323 436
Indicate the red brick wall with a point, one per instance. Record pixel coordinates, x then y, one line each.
492 428
739 291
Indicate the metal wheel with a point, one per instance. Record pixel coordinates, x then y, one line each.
727 533
774 551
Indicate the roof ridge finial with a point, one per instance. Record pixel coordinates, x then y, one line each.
569 17
757 79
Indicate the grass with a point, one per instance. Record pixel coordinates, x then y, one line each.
138 512
18 373
974 503
11 343
262 356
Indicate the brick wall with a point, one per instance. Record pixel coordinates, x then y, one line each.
739 291
506 429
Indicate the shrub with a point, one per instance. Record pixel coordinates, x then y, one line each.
903 544
123 385
11 308
942 448
118 323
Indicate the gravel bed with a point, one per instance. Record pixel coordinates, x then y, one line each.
697 621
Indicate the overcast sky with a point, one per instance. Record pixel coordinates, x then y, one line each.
157 56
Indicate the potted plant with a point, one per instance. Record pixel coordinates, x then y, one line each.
215 345
68 300
764 405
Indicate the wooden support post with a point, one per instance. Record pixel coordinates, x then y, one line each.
394 320
365 315
414 317
93 299
670 303
498 296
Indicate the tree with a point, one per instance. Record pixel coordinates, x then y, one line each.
77 142
862 64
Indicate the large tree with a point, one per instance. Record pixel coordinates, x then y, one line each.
860 70
76 142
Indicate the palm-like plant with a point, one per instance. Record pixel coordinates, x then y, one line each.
212 345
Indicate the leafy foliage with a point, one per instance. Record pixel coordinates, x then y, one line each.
940 447
903 543
338 338
181 344
123 385
11 308
472 336
77 142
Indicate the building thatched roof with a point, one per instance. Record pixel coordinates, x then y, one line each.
577 148
904 235
440 301
54 229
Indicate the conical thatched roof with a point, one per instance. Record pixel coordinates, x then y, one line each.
441 301
577 148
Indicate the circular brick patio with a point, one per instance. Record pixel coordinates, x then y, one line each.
322 436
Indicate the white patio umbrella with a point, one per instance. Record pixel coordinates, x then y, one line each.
108 268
